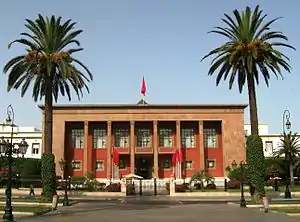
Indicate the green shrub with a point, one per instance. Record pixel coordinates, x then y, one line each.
28 167
48 176
256 165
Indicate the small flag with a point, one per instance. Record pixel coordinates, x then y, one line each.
115 157
180 157
143 88
174 158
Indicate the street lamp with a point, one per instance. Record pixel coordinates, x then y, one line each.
242 201
63 166
286 124
8 149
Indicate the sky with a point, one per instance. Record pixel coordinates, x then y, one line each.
163 40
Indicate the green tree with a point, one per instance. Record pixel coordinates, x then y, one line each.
289 148
49 64
256 168
250 53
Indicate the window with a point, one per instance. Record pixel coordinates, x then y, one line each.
99 138
100 165
210 138
269 146
167 163
122 164
77 138
143 137
189 164
35 148
211 164
76 165
121 137
166 137
188 138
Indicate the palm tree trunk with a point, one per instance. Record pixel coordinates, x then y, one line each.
252 104
48 115
292 174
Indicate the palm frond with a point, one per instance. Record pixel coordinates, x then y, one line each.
250 48
46 56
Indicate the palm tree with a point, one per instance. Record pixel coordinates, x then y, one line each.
201 177
49 64
289 148
249 53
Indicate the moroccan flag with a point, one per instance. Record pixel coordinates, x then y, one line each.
115 157
179 155
174 158
143 88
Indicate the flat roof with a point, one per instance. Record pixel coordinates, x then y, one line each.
146 106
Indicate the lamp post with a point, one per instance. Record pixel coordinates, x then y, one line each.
63 166
242 201
286 124
8 149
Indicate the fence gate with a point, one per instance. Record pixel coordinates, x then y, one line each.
150 187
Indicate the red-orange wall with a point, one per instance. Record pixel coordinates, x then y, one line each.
126 158
70 152
216 153
164 173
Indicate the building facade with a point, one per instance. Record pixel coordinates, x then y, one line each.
146 137
32 135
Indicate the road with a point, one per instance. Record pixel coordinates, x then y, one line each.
165 212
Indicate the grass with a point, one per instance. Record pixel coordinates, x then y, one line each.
246 189
33 201
33 209
287 210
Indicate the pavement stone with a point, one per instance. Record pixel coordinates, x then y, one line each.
175 212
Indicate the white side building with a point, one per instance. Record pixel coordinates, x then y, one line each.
271 142
32 135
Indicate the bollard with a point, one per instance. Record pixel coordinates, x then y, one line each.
276 184
155 187
55 202
265 204
141 190
225 185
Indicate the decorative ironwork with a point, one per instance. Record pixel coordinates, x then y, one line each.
77 138
166 137
210 138
150 187
188 137
143 137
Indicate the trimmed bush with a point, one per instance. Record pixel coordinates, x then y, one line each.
270 182
234 184
114 187
48 176
180 188
211 186
256 165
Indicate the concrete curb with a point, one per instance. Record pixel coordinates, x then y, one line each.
293 214
22 213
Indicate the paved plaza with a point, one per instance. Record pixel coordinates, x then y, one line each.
175 212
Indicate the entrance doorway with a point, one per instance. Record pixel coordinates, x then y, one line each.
144 166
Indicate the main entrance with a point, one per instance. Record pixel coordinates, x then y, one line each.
148 185
144 166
